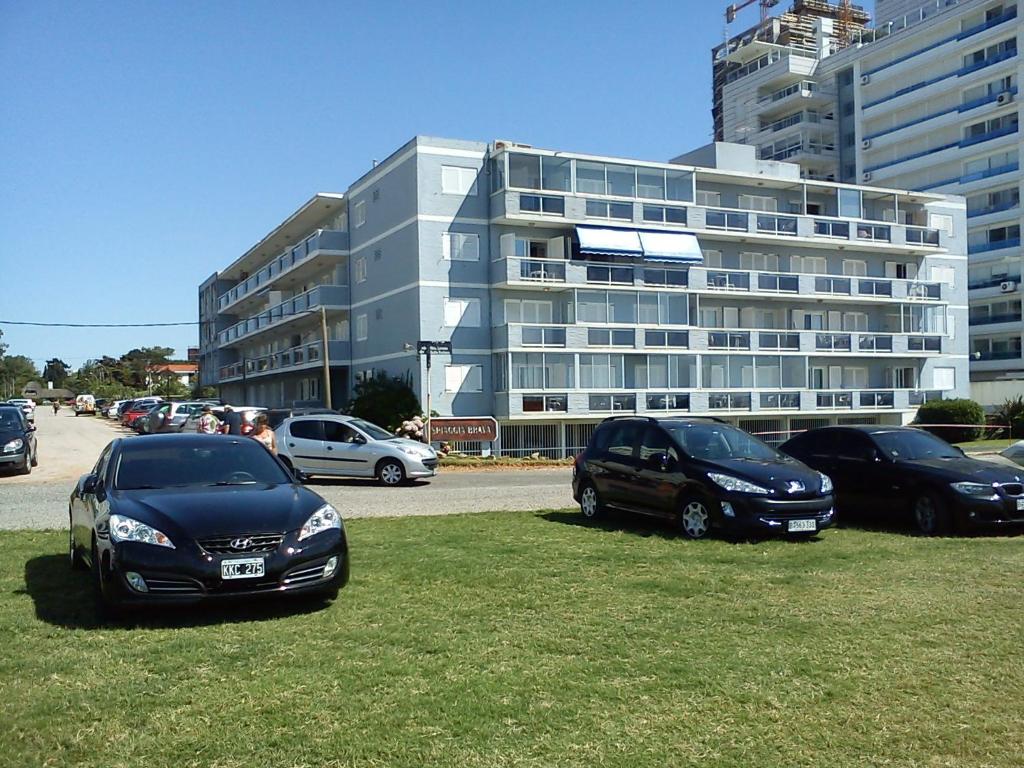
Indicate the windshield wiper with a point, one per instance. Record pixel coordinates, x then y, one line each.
227 482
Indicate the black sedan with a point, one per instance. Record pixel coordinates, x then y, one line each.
183 518
906 472
17 440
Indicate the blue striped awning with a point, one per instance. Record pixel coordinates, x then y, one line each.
603 241
671 247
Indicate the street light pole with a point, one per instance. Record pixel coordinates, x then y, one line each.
428 347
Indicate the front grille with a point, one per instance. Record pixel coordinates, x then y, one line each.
258 542
430 463
1012 489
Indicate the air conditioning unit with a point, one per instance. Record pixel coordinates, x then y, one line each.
865 144
1004 98
1008 286
866 176
865 79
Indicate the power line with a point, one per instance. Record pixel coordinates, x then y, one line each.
98 325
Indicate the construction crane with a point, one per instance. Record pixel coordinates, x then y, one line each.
844 26
732 10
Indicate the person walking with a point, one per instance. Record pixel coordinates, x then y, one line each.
264 434
56 407
232 424
208 423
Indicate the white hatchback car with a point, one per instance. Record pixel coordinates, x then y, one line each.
28 407
345 446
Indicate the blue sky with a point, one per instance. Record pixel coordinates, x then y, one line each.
145 145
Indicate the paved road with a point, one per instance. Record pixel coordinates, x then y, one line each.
68 448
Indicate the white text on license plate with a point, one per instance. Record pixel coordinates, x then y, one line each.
242 568
801 525
1020 504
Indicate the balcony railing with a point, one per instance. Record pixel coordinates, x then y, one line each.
922 236
780 400
768 340
832 342
876 232
837 285
1007 205
776 225
729 340
830 400
836 229
728 280
874 287
324 239
874 343
924 343
304 354
778 283
924 291
806 88
729 401
1010 317
542 270
877 399
995 245
997 354
726 220
994 282
331 295
543 336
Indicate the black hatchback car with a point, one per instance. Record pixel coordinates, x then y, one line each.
902 472
184 518
701 473
17 440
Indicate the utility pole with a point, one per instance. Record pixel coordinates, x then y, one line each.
428 347
327 358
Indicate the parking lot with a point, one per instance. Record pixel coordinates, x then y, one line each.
68 447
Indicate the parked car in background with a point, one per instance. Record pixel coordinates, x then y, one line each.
247 412
905 473
702 474
18 448
136 410
169 417
186 518
277 415
344 446
111 411
28 407
85 404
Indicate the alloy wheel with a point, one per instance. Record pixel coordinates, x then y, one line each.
696 521
391 474
925 515
588 502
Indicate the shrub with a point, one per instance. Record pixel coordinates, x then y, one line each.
385 400
958 411
1011 414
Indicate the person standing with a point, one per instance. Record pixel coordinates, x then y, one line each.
264 434
208 423
232 424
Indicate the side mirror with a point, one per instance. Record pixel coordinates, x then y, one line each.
89 484
659 462
876 457
360 440
30 427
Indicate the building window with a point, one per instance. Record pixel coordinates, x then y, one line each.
458 246
603 210
463 378
664 215
759 203
456 180
461 312
710 199
361 328
944 378
359 214
528 311
359 270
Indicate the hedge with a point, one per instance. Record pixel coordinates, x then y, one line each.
959 411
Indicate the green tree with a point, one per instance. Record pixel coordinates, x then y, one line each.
57 371
15 372
944 418
385 400
166 384
137 364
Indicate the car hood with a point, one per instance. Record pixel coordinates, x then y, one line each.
774 474
219 511
963 469
6 435
403 442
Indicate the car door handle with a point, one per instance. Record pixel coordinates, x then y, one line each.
291 445
330 448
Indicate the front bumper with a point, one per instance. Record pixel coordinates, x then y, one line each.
418 468
990 514
753 513
14 459
190 574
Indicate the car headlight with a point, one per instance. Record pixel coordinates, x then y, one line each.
978 490
419 453
730 483
14 446
126 529
826 483
324 519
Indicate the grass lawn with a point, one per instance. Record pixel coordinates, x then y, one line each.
986 445
527 639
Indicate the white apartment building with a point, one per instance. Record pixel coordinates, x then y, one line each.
927 100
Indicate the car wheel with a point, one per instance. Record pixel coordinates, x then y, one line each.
27 469
106 608
590 503
77 564
35 458
695 518
391 472
930 515
300 477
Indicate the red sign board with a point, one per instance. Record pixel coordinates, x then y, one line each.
482 429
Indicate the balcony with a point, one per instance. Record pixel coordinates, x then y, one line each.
776 225
874 342
323 240
806 91
994 319
995 245
922 236
997 354
779 342
867 287
776 282
975 176
301 356
877 399
832 342
993 282
729 340
331 296
726 220
985 210
728 280
833 285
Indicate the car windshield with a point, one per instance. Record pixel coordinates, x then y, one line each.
914 445
377 433
220 461
712 442
9 420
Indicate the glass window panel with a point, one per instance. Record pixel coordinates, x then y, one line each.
553 205
590 178
657 371
621 180
524 171
598 337
675 215
636 372
683 371
622 308
849 203
679 185
592 307
560 371
677 309
650 183
615 371
597 208
556 173
793 371
653 213
620 211
529 203
623 338
769 373
649 309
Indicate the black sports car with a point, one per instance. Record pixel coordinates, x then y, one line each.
182 518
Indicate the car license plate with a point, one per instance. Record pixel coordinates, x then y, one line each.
797 526
242 568
1020 504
